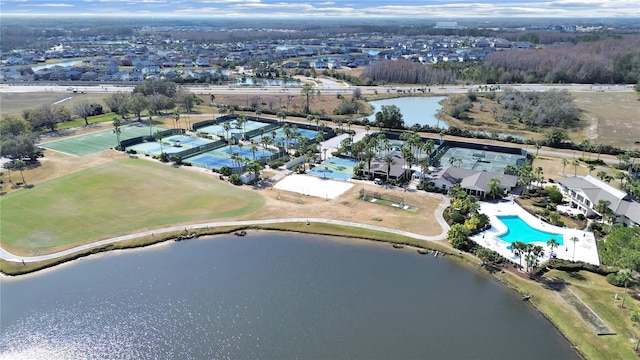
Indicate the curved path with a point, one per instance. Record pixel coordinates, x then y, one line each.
5 255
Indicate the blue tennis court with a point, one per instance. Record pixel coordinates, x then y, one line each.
280 136
211 161
191 141
222 156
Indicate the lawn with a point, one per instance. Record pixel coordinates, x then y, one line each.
15 103
115 198
598 294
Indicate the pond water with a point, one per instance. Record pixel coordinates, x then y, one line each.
63 64
265 82
415 110
269 296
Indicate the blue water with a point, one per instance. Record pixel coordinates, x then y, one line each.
519 230
269 295
414 110
63 64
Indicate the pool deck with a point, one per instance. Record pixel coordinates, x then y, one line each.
585 248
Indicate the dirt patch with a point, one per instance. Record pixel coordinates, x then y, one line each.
580 307
349 207
15 103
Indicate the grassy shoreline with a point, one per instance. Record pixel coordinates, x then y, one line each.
585 342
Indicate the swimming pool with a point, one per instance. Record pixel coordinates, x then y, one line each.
519 230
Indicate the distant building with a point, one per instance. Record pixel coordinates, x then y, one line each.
449 25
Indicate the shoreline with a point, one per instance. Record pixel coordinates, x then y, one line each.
15 265
412 244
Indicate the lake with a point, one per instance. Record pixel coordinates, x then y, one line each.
415 110
269 296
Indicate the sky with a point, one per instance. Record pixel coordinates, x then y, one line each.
449 9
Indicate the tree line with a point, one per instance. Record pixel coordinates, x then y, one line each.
404 71
608 61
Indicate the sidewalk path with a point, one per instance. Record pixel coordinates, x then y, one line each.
4 254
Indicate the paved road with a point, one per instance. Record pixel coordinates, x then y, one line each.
6 255
329 87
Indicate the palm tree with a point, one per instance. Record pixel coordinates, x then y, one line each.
389 160
226 126
552 244
116 129
601 174
625 275
575 241
407 155
150 126
242 120
158 137
538 146
591 168
575 164
452 160
539 176
635 317
565 162
428 146
517 248
20 166
495 191
254 148
8 166
176 116
585 145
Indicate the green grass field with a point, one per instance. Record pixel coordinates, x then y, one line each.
94 142
112 199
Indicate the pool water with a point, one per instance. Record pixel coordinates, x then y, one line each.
519 230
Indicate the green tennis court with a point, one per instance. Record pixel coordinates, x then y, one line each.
94 142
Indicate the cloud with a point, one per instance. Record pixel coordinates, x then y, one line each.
49 5
453 9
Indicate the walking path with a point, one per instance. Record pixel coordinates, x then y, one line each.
6 255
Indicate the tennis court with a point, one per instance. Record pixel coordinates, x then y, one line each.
235 130
172 145
153 148
215 159
280 136
85 144
481 160
335 168
190 141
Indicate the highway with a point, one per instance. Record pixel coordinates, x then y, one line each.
328 87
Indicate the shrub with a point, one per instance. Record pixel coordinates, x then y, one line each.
235 179
555 196
456 218
616 279
225 170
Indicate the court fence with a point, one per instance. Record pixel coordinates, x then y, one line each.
140 139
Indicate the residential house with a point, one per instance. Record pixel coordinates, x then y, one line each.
586 192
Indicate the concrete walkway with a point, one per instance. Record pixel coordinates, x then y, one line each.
4 254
